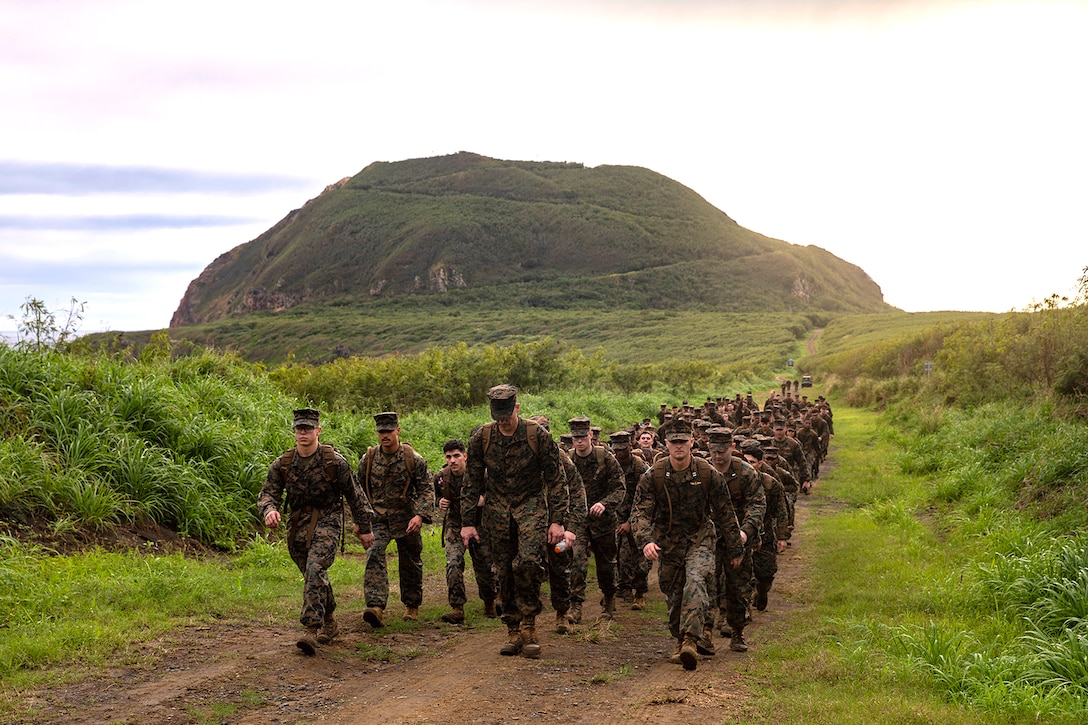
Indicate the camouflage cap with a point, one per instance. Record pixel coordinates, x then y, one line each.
620 440
751 447
503 398
385 422
679 431
720 439
579 427
307 418
566 440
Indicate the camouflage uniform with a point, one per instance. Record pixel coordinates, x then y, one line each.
526 493
316 520
604 483
559 561
396 498
448 486
685 519
633 566
765 560
734 586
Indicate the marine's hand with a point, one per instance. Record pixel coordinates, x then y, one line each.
555 533
651 551
415 524
596 509
272 519
444 504
623 529
468 535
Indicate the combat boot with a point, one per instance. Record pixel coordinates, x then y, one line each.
761 596
638 603
689 652
513 641
560 621
530 648
456 615
736 642
329 631
489 609
705 645
608 605
308 641
374 616
411 614
724 629
574 614
674 658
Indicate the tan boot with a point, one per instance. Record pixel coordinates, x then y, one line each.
308 641
561 622
705 644
530 648
411 614
513 641
374 616
489 609
329 631
638 603
456 615
689 653
674 658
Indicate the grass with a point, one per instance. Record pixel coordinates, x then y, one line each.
922 613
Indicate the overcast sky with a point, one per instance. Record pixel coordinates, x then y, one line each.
938 145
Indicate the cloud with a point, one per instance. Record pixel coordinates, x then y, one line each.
124 222
18 177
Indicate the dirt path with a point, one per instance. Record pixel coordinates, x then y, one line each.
810 343
252 673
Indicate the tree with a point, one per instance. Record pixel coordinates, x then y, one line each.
38 328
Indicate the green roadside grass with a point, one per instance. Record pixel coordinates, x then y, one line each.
899 622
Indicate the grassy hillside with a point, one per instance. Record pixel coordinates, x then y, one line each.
485 233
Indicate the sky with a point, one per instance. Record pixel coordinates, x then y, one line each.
939 145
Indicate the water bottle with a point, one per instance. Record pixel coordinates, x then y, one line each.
561 546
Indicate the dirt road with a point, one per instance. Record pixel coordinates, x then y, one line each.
251 672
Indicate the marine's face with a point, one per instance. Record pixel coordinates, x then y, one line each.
583 445
457 461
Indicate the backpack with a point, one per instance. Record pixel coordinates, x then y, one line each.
330 462
409 463
530 433
702 473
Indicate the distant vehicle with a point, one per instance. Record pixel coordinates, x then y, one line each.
806 381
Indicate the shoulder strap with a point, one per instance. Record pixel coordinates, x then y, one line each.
369 455
410 464
331 464
530 433
598 451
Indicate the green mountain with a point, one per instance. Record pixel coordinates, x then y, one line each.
484 234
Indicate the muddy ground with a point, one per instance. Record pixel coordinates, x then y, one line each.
251 672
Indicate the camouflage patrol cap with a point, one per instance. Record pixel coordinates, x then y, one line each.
720 439
679 431
385 422
503 398
579 427
565 440
620 440
751 447
307 418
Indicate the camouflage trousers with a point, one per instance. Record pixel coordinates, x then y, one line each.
455 568
517 550
791 507
683 574
603 547
559 579
409 567
632 567
731 589
313 554
765 564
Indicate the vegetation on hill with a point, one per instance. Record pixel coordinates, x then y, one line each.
482 234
